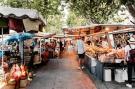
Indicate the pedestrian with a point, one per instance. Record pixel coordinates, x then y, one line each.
80 51
61 48
129 59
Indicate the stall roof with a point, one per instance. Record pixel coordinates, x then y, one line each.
94 28
44 35
21 13
95 25
123 31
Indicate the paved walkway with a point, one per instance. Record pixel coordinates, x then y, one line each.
61 74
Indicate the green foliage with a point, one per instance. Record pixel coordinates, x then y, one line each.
54 24
96 10
99 11
74 20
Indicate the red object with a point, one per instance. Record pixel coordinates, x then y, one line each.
16 24
16 73
45 55
23 71
132 56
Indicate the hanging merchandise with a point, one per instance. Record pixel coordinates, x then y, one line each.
16 24
31 25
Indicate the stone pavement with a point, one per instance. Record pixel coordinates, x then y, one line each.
61 74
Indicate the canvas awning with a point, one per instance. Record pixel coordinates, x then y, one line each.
21 13
44 35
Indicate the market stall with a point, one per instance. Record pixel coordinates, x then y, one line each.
106 54
104 45
20 20
45 46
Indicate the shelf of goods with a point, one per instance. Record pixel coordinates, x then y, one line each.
102 62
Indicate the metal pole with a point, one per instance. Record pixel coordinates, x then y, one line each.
2 55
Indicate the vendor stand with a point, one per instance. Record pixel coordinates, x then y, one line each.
103 54
43 45
108 61
20 20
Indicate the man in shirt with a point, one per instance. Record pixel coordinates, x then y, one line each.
130 45
80 51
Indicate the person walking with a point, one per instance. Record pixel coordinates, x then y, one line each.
81 52
61 48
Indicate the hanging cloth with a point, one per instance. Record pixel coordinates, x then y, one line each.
4 25
16 24
31 25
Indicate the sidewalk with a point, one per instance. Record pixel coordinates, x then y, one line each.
61 74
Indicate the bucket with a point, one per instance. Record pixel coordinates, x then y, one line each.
23 83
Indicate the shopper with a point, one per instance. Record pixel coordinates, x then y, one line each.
80 52
69 49
61 48
129 58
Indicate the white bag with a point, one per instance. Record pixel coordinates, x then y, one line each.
125 75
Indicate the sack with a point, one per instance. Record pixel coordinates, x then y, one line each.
125 75
132 56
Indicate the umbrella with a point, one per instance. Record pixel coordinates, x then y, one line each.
19 37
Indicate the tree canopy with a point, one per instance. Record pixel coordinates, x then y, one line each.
99 11
94 11
74 20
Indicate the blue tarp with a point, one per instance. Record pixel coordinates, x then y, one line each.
19 37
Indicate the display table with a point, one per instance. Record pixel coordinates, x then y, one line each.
98 68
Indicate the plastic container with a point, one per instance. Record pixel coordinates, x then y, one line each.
118 75
107 75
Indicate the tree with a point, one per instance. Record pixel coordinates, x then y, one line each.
99 11
74 20
54 24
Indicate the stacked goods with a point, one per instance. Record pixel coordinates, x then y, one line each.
120 54
93 50
23 78
17 77
108 57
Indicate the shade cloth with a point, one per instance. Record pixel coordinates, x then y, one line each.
31 25
21 13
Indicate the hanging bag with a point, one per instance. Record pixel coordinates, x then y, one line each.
132 55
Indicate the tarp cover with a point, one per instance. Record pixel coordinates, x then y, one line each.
21 13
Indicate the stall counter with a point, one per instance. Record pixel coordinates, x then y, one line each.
98 68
